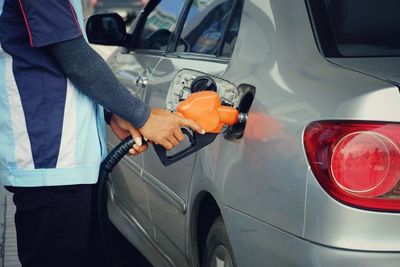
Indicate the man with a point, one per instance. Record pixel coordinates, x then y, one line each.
52 136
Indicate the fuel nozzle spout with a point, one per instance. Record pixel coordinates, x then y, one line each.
205 109
242 117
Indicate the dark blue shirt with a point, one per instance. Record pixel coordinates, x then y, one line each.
45 123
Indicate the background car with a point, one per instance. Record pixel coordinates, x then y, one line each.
312 179
110 6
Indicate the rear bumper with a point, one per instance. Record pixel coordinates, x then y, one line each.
258 244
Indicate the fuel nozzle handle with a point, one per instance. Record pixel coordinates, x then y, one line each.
205 109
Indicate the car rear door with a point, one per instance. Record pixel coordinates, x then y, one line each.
204 43
134 67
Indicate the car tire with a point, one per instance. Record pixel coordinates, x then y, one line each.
218 250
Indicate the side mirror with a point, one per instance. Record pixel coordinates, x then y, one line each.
106 29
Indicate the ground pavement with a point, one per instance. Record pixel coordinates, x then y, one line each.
8 240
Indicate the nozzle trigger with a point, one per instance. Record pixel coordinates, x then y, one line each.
197 142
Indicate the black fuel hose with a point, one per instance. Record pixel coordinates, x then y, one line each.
106 167
197 141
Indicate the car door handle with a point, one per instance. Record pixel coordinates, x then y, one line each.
141 82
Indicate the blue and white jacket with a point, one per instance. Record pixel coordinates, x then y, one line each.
50 133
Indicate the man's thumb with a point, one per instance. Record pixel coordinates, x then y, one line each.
137 137
191 124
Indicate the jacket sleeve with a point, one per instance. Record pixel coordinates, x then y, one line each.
92 76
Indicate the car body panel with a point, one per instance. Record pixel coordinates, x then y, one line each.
294 88
132 195
269 246
169 220
127 176
135 233
334 224
385 68
274 209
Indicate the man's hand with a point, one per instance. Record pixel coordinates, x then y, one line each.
123 129
164 128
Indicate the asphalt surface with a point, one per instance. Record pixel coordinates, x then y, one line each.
126 255
2 223
8 236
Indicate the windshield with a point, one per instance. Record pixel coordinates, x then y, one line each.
357 28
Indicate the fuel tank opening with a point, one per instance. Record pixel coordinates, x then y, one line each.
236 131
203 83
187 82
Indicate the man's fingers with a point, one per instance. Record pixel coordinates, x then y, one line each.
136 136
166 144
173 140
140 149
179 135
163 128
191 124
136 150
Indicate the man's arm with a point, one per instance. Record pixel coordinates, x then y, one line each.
92 76
53 25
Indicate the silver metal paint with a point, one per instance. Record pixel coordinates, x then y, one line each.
306 88
164 191
136 234
303 88
276 213
331 223
126 180
265 245
127 176
167 219
386 68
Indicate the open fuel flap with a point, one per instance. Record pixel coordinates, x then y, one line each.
187 82
217 105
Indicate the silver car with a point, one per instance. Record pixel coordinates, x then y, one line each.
312 178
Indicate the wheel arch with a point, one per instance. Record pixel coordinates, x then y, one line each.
205 211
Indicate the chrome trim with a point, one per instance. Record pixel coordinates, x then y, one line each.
110 145
138 230
163 190
132 165
155 184
195 56
128 161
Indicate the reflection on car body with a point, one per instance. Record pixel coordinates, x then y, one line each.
312 180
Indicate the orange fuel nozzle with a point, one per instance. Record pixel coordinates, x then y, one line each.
205 109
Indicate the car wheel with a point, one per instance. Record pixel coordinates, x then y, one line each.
218 251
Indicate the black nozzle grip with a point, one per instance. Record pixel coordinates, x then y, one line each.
197 142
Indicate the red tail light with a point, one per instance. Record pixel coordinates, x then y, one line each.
357 163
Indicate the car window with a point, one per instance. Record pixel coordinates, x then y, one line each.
204 26
357 28
159 25
232 31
